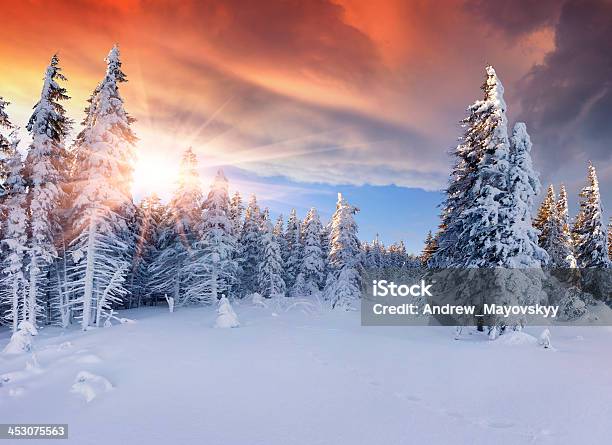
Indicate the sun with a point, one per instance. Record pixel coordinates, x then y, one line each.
154 173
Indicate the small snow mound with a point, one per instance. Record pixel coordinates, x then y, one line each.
258 300
89 385
226 317
545 339
21 340
517 338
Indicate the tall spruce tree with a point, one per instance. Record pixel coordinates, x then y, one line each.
343 284
179 234
270 268
103 207
589 232
44 174
13 230
235 214
5 148
430 248
523 187
544 212
250 247
292 249
312 267
486 114
555 233
213 268
149 216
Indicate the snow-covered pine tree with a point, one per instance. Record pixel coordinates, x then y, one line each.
544 212
213 268
292 255
249 246
13 227
179 234
563 210
270 268
397 255
496 219
312 267
589 232
343 285
373 258
5 149
555 234
44 173
235 214
103 204
431 245
523 187
150 217
486 114
555 243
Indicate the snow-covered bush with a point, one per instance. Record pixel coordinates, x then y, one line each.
544 339
573 304
21 340
226 317
89 385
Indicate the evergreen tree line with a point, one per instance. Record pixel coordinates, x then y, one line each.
75 247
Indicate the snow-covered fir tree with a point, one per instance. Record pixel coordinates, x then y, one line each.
213 268
495 219
482 114
343 284
374 254
5 147
150 218
589 232
292 249
431 245
563 210
555 236
179 234
250 247
523 187
235 214
270 268
312 267
45 175
13 228
102 200
398 258
543 215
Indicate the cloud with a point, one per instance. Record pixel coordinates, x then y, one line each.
567 99
515 18
343 91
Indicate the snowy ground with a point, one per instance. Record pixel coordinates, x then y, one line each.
311 379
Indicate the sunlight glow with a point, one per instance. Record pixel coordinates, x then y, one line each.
154 174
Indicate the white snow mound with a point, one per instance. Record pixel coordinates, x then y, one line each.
226 317
89 385
21 340
517 338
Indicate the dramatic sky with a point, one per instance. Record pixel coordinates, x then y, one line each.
297 100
